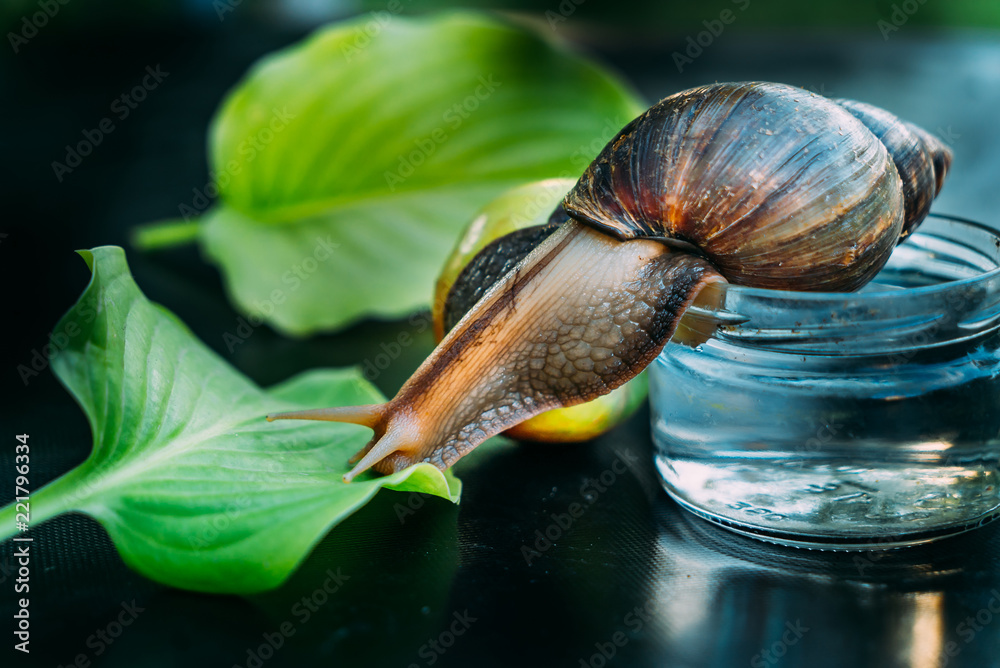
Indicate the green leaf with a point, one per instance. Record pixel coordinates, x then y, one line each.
195 487
348 164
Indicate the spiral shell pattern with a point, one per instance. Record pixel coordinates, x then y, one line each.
776 186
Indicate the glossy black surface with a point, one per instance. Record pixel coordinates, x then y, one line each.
633 575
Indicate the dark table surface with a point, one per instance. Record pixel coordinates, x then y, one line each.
635 576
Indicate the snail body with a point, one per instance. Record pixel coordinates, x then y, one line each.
501 234
752 183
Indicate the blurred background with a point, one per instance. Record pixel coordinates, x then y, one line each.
933 62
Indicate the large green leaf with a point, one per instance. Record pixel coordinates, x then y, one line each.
348 164
195 487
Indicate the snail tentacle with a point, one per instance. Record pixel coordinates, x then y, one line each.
582 314
761 184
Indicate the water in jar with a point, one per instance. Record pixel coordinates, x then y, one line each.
849 428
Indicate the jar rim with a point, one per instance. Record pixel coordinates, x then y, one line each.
875 295
962 303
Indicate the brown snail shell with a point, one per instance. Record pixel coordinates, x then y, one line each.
762 184
921 160
778 187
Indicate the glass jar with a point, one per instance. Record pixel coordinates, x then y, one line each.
845 421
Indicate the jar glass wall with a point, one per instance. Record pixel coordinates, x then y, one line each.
843 421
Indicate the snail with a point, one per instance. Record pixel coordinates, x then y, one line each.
460 283
757 184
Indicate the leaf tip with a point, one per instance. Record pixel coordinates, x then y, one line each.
88 257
